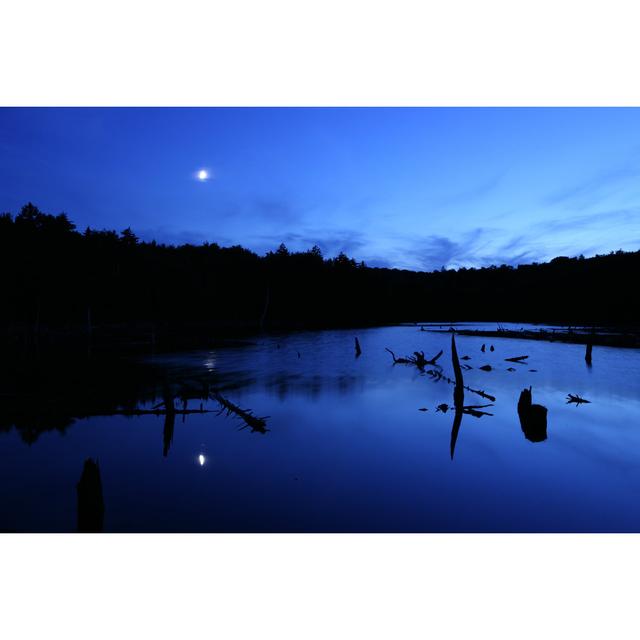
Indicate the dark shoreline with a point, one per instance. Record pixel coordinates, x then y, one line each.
628 340
146 338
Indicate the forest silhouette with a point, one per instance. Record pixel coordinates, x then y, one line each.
61 283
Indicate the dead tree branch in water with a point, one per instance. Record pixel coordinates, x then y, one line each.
417 359
251 421
438 375
576 399
516 359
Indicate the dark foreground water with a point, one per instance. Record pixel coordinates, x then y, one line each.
347 446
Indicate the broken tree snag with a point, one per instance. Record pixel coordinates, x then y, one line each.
587 355
251 421
358 349
458 392
435 358
458 399
533 417
90 500
516 359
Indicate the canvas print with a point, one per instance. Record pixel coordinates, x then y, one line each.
319 320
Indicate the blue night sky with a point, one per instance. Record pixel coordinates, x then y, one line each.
407 188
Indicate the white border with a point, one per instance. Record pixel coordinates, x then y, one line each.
309 586
286 52
319 52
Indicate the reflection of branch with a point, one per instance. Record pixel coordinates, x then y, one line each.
457 421
255 423
473 410
438 375
458 395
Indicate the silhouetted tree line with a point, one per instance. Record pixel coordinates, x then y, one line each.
57 279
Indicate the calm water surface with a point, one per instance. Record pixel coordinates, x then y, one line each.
348 448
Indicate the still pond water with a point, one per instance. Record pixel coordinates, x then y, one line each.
348 448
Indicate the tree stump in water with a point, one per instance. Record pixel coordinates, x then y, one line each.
533 417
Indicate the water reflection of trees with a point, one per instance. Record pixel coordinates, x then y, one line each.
49 394
312 386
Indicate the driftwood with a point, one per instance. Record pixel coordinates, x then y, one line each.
251 421
516 359
576 399
417 358
398 360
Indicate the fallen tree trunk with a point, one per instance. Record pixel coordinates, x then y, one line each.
255 423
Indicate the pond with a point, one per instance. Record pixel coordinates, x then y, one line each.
350 444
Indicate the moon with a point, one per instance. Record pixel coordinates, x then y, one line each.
203 175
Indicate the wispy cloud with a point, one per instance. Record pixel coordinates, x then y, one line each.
476 248
473 193
597 187
580 222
